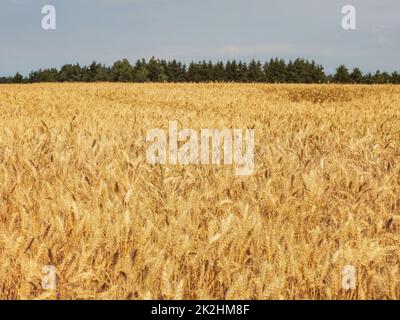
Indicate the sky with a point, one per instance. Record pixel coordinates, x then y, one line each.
108 30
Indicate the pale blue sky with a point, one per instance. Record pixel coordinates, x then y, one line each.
108 30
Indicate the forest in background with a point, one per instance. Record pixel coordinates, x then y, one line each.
156 70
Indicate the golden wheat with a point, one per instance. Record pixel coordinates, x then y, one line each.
77 192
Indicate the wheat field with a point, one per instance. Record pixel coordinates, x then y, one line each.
77 193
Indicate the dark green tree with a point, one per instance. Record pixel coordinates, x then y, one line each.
342 75
204 71
70 73
46 75
242 72
367 79
218 72
315 73
176 71
18 78
356 76
255 72
193 74
231 71
122 71
156 71
141 71
381 77
275 71
395 77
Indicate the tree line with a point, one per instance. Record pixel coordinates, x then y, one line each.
155 70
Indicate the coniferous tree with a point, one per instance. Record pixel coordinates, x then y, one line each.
193 72
18 78
367 78
356 76
312 73
294 71
210 71
175 71
318 74
156 72
342 75
122 71
243 72
231 71
291 75
183 72
395 77
70 73
141 71
219 73
103 73
275 71
255 73
204 71
46 75
6 80
381 77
